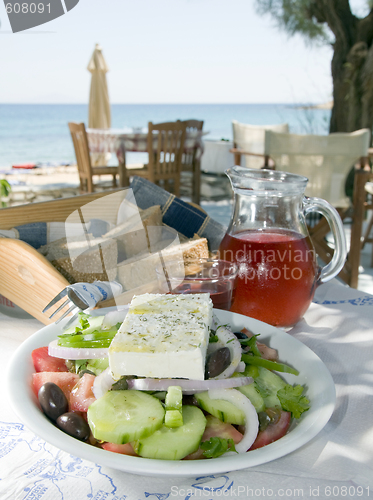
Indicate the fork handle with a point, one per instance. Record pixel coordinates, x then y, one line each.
92 293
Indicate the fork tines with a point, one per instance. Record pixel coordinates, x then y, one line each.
56 299
72 307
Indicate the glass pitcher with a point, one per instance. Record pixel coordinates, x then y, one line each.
268 238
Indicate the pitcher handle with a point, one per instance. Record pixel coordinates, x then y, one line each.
335 223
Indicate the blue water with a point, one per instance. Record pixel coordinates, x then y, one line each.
39 132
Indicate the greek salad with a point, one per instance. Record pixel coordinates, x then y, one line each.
242 404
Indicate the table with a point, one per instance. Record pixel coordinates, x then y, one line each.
217 156
120 141
336 464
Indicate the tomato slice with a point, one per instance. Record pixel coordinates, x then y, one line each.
124 449
43 362
273 432
81 396
65 381
215 427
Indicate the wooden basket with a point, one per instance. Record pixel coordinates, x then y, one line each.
26 277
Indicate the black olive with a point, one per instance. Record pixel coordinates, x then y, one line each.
240 335
189 399
52 400
217 362
74 424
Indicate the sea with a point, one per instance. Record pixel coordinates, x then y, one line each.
38 133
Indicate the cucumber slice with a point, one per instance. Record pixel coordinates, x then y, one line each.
251 393
174 443
268 384
174 398
173 403
221 409
123 416
173 418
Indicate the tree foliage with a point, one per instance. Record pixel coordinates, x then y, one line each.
294 16
332 21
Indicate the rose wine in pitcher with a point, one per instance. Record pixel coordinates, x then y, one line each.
277 276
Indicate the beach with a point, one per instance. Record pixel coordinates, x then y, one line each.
49 183
38 133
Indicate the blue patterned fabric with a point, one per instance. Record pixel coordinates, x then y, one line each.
178 214
35 234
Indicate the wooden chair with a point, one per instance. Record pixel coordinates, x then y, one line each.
165 149
190 160
368 205
248 141
326 161
85 169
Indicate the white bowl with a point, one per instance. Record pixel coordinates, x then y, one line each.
314 375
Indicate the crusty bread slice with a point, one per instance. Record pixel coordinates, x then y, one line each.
83 259
132 235
141 269
136 244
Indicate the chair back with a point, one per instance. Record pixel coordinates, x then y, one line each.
165 147
251 138
83 160
325 160
193 127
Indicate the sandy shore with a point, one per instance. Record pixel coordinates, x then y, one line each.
41 184
48 183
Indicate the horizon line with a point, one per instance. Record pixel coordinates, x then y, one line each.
158 103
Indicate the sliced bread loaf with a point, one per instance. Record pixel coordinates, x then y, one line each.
141 269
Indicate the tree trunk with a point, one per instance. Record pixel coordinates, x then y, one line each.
352 73
352 63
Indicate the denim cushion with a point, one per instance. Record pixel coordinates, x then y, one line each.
178 214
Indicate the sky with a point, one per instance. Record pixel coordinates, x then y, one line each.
163 51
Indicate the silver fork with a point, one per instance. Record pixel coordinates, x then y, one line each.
81 296
75 303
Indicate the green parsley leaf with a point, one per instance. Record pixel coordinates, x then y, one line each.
213 339
291 399
216 446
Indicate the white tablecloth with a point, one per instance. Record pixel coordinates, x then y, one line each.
336 464
216 156
121 141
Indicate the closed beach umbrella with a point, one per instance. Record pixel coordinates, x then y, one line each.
99 105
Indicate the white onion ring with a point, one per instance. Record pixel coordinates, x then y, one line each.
114 317
251 417
102 383
187 386
226 338
58 351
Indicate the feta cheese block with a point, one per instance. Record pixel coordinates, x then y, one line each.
163 336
